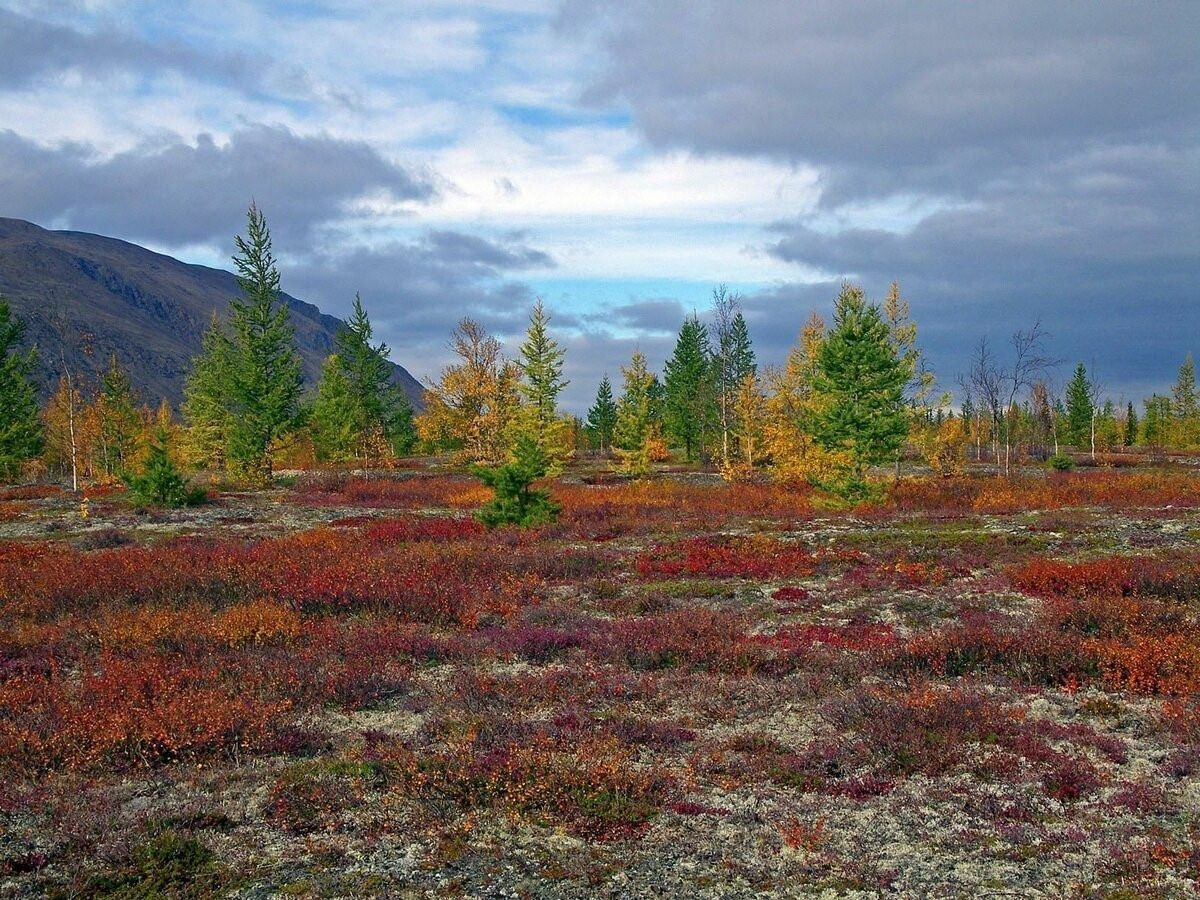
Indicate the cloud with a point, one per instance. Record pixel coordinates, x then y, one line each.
417 290
1004 162
31 48
895 97
177 193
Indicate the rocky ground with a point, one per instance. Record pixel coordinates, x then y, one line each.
677 691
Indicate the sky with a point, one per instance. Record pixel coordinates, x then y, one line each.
1006 163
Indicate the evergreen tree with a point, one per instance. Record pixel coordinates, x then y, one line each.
1080 409
20 425
264 367
1184 405
160 483
206 401
689 410
120 422
602 417
637 425
541 367
1157 424
516 501
1131 426
861 382
380 405
337 421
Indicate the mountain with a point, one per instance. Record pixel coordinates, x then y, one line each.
84 296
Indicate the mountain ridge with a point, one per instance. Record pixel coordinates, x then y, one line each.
84 296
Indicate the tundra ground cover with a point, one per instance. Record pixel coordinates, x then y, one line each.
350 688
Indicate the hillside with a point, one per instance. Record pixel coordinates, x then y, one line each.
85 296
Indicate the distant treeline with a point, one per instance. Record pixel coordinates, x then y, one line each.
853 394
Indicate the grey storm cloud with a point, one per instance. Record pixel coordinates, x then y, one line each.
31 47
927 95
416 291
657 314
1057 145
177 193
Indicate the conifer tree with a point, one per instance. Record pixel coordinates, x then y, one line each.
337 420
861 381
637 426
602 417
160 483
791 410
689 412
1080 409
1131 426
380 405
517 502
1157 424
1184 406
264 368
541 367
20 425
206 401
120 423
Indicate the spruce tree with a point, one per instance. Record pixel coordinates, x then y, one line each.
264 367
689 410
1080 409
20 425
120 423
541 367
1131 425
160 483
860 381
206 401
602 417
380 404
337 420
517 502
1184 406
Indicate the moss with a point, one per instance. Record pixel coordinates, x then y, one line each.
167 865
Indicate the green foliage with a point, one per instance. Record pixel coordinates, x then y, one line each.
1061 463
637 415
160 482
1157 423
516 501
337 418
167 865
1080 409
382 406
1184 406
120 423
205 405
860 384
263 388
1131 426
20 425
689 409
602 417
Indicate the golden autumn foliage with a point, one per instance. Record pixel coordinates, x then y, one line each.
790 407
946 447
471 407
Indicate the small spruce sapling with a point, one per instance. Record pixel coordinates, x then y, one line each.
160 482
516 501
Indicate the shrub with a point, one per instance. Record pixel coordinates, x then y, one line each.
1061 463
167 865
516 501
160 482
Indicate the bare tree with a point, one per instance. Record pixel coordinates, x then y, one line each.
725 308
985 381
1029 361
